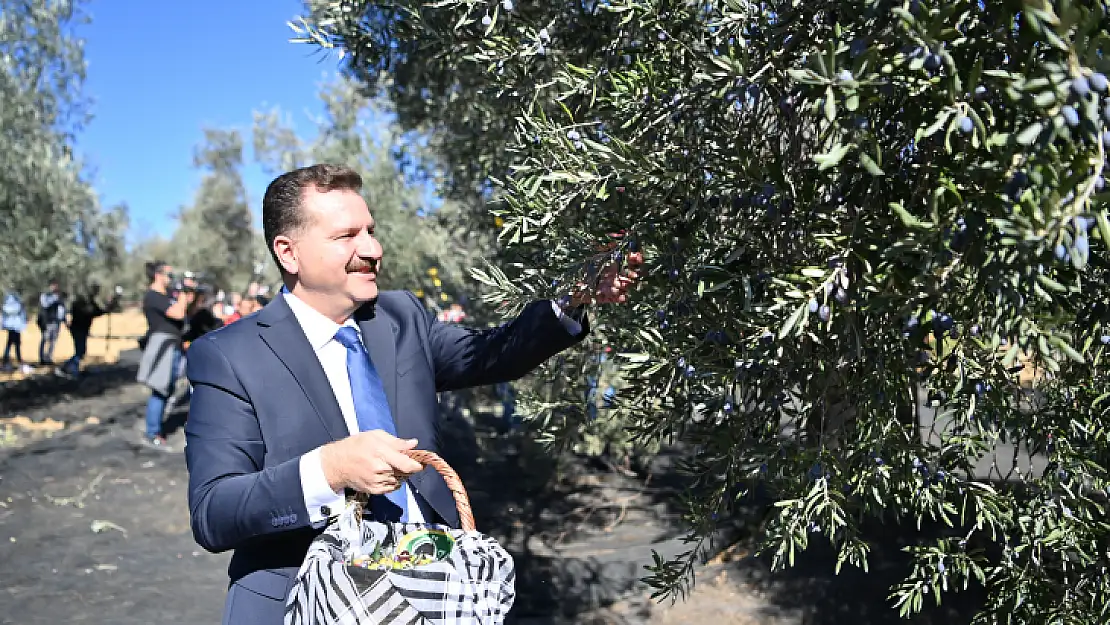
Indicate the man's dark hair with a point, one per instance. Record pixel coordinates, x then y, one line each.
154 268
283 204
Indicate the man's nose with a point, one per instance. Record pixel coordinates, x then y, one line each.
368 246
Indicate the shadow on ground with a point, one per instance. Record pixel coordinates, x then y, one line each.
810 593
47 389
581 535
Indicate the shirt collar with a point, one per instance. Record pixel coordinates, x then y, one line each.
318 328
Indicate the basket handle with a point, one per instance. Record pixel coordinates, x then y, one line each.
454 484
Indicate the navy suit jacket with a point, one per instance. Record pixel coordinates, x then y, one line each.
261 400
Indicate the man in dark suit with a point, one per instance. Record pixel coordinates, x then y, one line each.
322 391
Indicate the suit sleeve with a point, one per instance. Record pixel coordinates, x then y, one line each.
464 357
233 498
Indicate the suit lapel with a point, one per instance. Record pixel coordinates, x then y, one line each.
379 334
279 329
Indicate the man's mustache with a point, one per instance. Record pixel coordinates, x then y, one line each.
362 264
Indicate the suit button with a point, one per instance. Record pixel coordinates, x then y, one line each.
293 518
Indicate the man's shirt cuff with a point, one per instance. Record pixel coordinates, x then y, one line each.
319 499
571 326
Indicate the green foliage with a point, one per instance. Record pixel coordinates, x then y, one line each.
109 255
50 221
850 211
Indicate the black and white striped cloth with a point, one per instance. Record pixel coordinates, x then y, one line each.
475 585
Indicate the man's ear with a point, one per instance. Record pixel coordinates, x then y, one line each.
286 253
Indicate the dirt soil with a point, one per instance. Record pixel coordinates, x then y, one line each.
94 528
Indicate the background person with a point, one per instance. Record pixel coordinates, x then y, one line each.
165 318
86 308
13 319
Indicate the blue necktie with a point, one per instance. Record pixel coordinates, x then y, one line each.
372 413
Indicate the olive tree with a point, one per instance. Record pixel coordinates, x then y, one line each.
875 236
214 236
51 223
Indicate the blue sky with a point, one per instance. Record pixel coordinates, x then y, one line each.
159 72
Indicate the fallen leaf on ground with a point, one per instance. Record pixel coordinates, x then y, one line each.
20 421
99 526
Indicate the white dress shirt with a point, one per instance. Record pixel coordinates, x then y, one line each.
320 330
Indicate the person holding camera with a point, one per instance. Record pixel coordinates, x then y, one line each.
164 306
86 308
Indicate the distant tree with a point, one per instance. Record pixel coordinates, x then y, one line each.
50 220
215 235
106 238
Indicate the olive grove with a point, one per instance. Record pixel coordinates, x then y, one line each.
853 214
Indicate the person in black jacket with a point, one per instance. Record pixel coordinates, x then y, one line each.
201 319
86 308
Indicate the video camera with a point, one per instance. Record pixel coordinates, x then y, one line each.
187 282
181 282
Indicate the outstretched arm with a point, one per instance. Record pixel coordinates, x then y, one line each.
465 357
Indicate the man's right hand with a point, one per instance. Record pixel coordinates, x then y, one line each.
368 462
